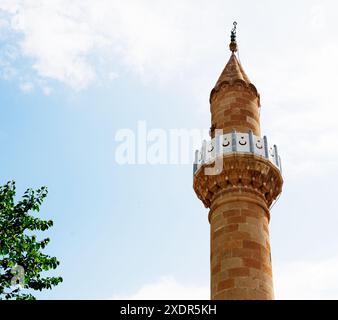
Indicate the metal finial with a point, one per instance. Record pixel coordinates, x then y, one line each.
233 43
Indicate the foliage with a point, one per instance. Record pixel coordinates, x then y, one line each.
21 258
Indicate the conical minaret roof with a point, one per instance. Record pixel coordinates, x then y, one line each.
233 71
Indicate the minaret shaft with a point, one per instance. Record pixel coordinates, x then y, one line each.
240 247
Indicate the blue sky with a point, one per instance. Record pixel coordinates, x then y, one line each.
73 73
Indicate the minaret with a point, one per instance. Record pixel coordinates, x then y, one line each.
237 175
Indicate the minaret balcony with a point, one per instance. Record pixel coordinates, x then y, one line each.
236 143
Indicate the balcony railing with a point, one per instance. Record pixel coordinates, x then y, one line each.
236 142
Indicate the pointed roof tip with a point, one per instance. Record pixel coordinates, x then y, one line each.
233 71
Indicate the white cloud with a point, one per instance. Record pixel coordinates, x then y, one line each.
57 38
184 44
307 280
113 75
304 280
7 73
26 87
303 116
167 288
46 90
68 39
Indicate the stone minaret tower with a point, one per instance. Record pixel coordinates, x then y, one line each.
237 175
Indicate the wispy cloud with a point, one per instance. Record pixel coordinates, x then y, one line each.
69 40
26 87
72 41
167 288
293 280
307 280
